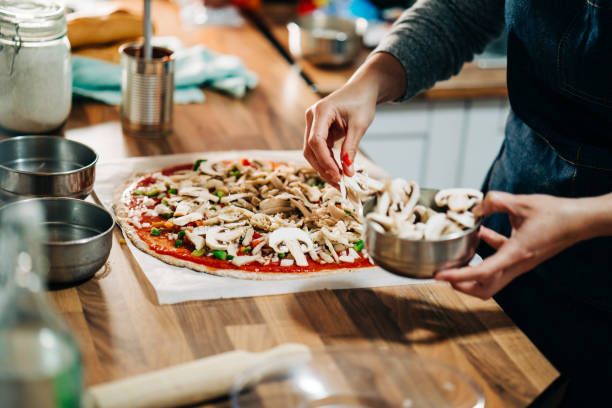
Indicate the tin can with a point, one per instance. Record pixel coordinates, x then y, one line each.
147 89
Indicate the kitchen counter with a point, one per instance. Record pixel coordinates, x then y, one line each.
471 83
123 330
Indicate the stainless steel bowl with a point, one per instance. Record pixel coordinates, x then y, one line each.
78 235
418 258
45 166
325 40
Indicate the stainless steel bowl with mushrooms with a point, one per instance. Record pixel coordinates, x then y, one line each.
414 232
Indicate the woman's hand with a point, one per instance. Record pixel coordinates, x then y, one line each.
348 112
542 226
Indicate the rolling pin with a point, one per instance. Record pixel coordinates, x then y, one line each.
193 382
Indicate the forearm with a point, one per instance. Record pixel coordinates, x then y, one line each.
382 74
434 38
593 216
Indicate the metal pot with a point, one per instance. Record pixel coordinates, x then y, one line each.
325 40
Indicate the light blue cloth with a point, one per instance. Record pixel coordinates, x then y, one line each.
194 67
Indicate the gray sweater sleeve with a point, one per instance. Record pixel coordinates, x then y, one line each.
434 38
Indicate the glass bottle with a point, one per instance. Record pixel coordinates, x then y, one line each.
40 364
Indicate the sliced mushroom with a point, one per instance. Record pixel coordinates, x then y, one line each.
186 219
233 197
198 241
182 208
301 197
336 213
233 214
243 260
259 247
435 226
313 255
331 194
465 219
248 236
161 209
264 222
295 240
382 203
452 228
148 201
326 257
331 249
276 182
383 220
297 204
192 191
232 249
458 199
423 213
220 237
415 194
313 193
208 167
201 230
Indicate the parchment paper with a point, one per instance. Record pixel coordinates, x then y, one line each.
174 284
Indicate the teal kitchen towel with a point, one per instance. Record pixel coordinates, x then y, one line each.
195 67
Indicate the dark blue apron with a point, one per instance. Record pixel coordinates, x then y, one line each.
559 142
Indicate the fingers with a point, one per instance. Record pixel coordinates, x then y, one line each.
473 288
316 149
486 289
492 274
494 239
495 202
505 259
308 153
477 289
349 147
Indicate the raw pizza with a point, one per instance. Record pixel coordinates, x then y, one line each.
251 219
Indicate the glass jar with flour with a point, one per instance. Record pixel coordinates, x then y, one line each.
35 72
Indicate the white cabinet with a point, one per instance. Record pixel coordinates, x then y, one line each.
483 138
400 155
397 139
439 144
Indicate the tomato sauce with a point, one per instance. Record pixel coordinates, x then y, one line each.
146 182
171 170
164 246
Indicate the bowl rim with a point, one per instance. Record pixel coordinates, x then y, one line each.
55 173
244 380
75 241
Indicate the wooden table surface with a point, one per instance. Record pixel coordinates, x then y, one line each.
471 83
123 330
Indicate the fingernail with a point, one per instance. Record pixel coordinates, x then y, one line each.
346 159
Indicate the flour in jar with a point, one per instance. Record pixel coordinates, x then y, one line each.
35 71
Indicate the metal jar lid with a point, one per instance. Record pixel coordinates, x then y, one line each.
31 20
